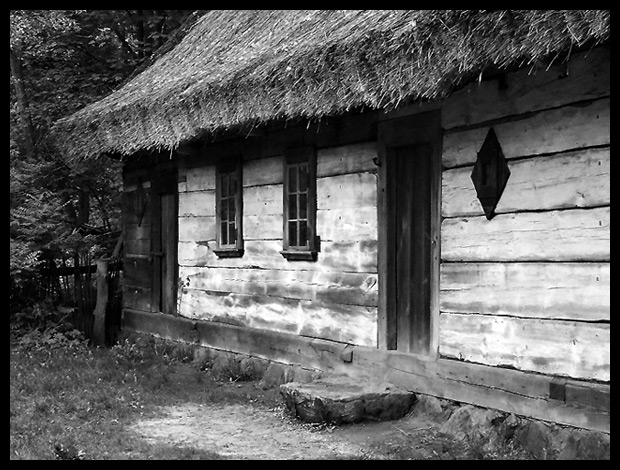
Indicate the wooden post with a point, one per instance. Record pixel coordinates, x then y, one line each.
102 302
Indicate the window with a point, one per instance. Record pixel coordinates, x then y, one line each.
229 208
300 240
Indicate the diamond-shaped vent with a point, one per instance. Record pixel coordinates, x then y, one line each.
490 174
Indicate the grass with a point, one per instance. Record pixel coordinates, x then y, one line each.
71 400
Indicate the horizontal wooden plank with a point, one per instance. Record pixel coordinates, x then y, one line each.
262 227
347 224
341 256
585 77
349 256
570 235
196 228
328 287
274 142
138 247
137 232
199 178
558 130
574 349
138 272
347 191
509 390
570 291
343 323
594 396
262 200
564 181
263 171
337 131
197 204
137 297
354 158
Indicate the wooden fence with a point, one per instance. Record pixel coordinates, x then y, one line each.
92 288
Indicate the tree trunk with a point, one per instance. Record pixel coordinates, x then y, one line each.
23 106
141 34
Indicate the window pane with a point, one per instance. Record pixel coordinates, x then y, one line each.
232 185
303 233
232 210
303 206
224 179
292 233
303 178
224 233
232 239
292 207
292 179
224 209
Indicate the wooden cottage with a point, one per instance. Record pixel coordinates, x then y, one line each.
420 197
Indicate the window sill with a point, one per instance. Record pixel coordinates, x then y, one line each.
229 253
300 255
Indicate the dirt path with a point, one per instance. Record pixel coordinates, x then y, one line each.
240 432
254 431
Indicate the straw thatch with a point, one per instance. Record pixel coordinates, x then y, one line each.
244 68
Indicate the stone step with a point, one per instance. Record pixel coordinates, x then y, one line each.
341 400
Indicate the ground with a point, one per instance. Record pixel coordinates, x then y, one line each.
72 401
255 430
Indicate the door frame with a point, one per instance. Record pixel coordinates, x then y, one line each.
416 129
164 261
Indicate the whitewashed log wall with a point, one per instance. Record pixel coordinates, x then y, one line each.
530 288
527 290
334 298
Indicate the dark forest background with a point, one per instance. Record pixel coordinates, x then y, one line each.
62 213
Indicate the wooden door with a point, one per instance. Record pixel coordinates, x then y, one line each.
164 243
411 235
409 232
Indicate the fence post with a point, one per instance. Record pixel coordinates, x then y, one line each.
102 302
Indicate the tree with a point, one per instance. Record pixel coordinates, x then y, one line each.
62 60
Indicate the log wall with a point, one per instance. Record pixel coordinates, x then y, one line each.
333 298
529 289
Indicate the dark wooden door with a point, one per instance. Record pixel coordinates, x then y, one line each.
409 228
411 238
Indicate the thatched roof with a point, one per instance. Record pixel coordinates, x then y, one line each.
236 69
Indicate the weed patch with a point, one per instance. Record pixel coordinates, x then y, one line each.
70 399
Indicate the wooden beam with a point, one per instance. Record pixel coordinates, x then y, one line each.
568 235
559 347
560 291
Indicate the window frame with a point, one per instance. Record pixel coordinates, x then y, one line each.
224 169
294 158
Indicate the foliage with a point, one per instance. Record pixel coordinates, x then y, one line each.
62 60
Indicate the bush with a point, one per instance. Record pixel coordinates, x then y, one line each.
43 326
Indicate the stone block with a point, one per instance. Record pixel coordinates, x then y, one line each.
343 400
